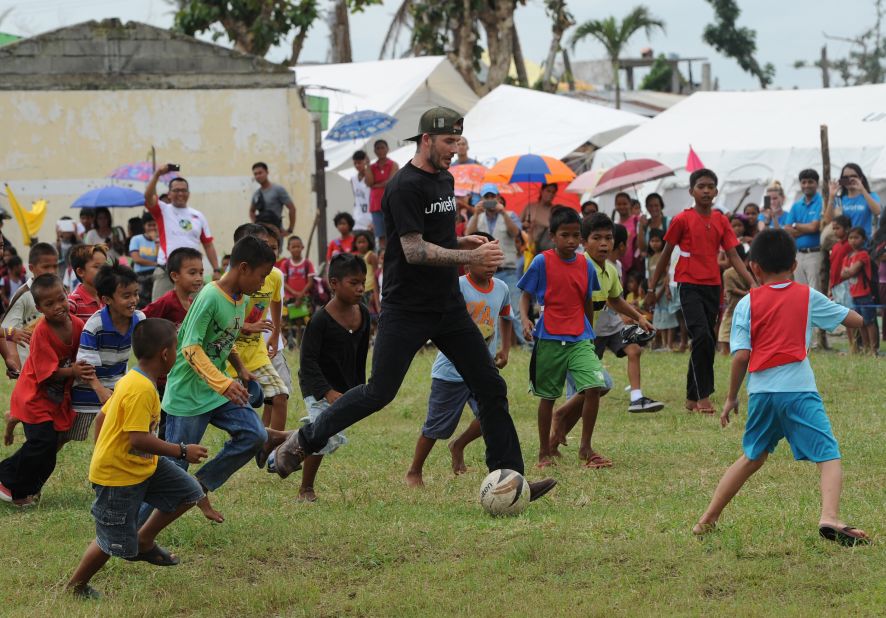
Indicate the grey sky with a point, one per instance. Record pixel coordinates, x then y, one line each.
787 30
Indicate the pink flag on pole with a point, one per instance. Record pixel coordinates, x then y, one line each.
693 163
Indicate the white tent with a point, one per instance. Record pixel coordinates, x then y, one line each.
402 88
510 121
752 138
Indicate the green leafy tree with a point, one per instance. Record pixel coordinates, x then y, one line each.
255 26
660 75
735 42
614 36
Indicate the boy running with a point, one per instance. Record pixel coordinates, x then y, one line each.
783 402
488 303
86 260
41 398
126 469
563 334
700 232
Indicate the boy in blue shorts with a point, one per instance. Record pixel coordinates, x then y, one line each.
127 469
769 341
488 303
563 284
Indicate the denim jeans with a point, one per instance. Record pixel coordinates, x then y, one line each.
247 433
511 277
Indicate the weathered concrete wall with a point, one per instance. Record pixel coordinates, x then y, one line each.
111 55
58 145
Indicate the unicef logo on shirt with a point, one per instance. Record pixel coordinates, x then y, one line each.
443 205
185 224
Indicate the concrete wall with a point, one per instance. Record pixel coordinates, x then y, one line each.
58 145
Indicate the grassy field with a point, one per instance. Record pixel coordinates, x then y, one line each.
606 542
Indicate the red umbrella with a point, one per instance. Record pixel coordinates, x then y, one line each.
632 172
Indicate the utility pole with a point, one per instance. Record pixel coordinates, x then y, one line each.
825 68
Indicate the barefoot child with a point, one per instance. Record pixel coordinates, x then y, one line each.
857 271
298 280
563 283
127 469
488 302
185 268
86 260
41 398
333 356
771 333
364 246
105 344
700 232
198 392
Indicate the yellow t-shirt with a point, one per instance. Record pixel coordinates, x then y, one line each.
134 406
252 349
369 286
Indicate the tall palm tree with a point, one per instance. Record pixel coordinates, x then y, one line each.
614 37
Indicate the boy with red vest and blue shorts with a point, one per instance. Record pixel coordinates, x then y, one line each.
770 343
562 283
700 233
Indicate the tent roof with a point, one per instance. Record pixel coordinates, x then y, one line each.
402 88
511 120
757 137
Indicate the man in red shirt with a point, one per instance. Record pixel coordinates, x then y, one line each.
699 232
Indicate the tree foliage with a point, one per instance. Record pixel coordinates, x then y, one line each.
614 36
255 26
736 42
660 75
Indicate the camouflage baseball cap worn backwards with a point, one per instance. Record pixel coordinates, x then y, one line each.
439 121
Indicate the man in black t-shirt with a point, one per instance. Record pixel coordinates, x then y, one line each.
421 300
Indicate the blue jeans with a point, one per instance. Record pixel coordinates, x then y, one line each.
511 277
247 433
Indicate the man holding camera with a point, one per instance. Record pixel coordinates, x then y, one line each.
491 217
179 226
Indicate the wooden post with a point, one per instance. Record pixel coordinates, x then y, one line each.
825 164
825 68
320 190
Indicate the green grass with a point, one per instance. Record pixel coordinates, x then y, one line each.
611 541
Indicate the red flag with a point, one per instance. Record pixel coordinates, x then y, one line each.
693 163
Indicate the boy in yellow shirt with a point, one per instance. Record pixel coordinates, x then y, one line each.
126 469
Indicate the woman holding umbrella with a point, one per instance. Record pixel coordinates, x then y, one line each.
105 233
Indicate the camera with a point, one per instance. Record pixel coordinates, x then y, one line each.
173 167
845 181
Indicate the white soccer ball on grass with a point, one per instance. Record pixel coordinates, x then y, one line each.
504 492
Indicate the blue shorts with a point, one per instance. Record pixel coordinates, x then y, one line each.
116 508
798 417
571 390
864 305
445 405
378 224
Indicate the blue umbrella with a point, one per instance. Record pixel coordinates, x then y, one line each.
360 125
109 197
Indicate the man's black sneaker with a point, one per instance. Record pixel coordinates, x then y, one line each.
86 592
540 488
645 404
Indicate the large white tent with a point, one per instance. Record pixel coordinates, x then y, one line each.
752 138
511 121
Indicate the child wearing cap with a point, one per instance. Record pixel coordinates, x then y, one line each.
770 343
700 232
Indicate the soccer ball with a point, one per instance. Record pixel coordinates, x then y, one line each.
504 492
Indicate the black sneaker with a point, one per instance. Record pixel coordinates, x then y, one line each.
86 592
645 404
289 456
540 488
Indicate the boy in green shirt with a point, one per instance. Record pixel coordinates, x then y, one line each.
198 392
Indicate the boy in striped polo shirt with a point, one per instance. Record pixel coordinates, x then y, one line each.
105 344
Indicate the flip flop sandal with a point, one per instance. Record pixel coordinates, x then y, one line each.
706 411
844 536
597 461
156 556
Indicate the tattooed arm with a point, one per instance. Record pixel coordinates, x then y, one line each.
420 252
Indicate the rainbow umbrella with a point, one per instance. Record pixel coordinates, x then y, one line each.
471 177
530 168
629 173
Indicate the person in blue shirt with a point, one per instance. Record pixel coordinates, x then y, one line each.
852 194
803 222
770 344
774 214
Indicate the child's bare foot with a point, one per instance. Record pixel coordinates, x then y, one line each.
458 459
414 479
8 434
703 527
210 513
306 494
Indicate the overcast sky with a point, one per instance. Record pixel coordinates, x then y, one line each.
787 30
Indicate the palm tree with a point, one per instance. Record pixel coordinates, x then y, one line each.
614 36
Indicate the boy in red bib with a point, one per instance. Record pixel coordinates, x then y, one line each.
700 232
562 283
769 341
